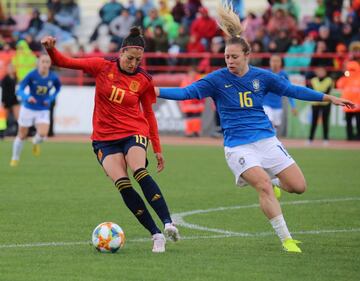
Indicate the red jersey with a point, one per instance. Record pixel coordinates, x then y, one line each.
123 101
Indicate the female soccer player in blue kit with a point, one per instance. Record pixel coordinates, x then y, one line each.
252 151
35 106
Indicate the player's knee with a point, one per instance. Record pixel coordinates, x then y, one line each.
298 187
264 187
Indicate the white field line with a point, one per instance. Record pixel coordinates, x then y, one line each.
179 220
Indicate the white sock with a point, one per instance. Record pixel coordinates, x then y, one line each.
17 148
279 225
276 181
37 139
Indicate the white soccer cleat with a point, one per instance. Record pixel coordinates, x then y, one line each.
159 243
171 232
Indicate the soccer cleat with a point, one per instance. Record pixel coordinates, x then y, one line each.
171 232
290 245
159 243
36 149
277 191
14 163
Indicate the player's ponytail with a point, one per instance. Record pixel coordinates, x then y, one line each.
229 23
134 39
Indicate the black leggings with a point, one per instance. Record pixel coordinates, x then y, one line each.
325 114
349 127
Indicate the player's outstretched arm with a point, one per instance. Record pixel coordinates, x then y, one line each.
339 101
89 65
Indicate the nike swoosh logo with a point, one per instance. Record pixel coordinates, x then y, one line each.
228 85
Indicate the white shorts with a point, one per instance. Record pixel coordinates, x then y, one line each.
29 117
268 153
275 115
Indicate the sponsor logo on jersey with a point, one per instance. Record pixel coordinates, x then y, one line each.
111 76
228 85
134 86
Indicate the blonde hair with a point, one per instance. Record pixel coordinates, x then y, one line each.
229 23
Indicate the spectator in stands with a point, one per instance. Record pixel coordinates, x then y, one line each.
132 7
120 139
139 19
9 98
331 7
323 83
320 9
161 39
288 6
324 35
314 24
298 48
120 26
216 59
68 18
24 60
65 39
335 27
171 27
191 10
35 23
182 39
163 8
347 34
54 6
204 27
107 13
283 41
147 6
153 19
281 21
349 86
34 45
257 48
252 23
178 11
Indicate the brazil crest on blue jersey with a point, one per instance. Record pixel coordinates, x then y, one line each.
239 101
41 88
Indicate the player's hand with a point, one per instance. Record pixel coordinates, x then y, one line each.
342 102
48 42
160 162
157 91
31 99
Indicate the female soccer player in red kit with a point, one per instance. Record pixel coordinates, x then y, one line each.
123 121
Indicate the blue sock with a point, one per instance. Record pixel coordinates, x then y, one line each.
153 194
136 205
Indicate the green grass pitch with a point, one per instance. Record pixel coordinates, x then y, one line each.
50 205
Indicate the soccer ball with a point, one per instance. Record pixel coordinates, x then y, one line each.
108 237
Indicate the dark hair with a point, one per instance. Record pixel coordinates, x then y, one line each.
134 39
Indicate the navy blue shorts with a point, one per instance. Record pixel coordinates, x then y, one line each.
105 148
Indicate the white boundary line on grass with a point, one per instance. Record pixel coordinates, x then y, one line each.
179 220
179 217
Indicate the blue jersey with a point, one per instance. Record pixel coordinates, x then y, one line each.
40 88
273 100
239 101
